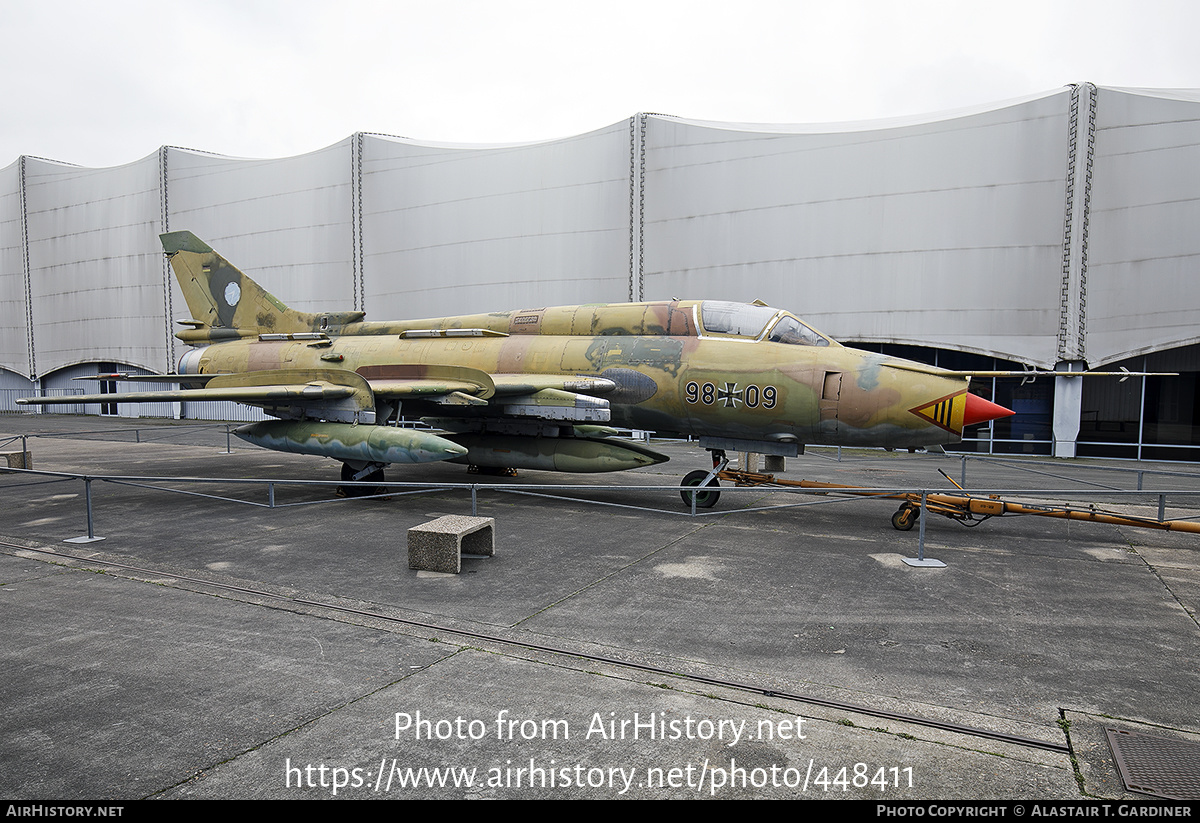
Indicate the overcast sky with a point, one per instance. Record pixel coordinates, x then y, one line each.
107 83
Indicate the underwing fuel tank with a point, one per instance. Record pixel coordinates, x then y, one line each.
563 454
346 442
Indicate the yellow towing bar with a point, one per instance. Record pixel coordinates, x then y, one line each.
965 508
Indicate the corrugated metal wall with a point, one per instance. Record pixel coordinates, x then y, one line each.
1054 227
95 278
14 324
945 233
453 230
1142 281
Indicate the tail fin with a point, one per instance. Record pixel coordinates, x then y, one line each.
230 304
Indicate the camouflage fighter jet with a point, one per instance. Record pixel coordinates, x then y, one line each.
540 388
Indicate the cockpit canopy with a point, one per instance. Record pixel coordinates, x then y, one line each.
755 322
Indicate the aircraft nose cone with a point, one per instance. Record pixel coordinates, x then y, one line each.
979 410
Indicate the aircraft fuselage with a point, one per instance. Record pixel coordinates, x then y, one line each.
673 373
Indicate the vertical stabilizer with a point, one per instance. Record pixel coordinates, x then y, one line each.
223 299
220 296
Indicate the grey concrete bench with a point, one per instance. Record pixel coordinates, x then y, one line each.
438 546
18 459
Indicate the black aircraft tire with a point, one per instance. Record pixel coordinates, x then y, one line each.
704 499
348 473
904 519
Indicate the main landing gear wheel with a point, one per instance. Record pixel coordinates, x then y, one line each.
349 476
492 471
704 499
904 518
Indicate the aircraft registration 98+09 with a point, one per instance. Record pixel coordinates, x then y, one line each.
538 388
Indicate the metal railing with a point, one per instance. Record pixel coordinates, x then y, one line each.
141 434
1042 467
557 492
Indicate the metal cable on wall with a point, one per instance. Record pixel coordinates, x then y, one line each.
356 220
1072 308
1064 288
637 205
26 274
165 223
1087 208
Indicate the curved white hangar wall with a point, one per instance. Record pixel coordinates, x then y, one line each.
455 230
944 233
1055 228
1142 286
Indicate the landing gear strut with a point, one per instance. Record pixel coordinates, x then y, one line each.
708 498
368 472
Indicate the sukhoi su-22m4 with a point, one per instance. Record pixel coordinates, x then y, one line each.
543 388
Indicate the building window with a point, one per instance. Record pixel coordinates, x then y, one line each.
1144 418
1029 431
108 387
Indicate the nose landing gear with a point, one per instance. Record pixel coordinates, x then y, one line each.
707 498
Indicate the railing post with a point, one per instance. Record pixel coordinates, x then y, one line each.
920 559
87 493
921 535
91 534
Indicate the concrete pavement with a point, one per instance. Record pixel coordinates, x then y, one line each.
252 652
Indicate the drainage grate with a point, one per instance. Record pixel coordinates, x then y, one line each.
1158 766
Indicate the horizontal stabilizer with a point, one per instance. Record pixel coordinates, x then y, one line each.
254 395
126 377
274 387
